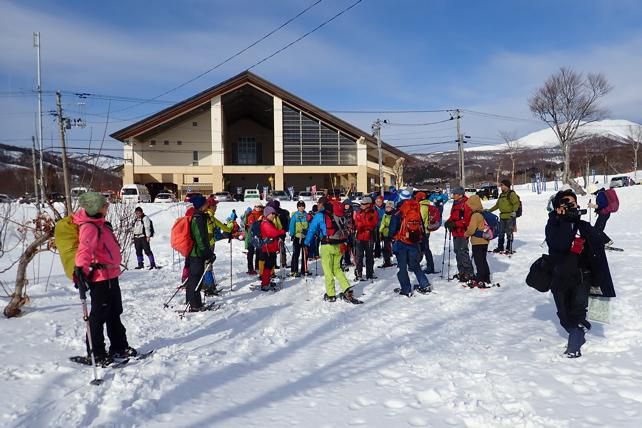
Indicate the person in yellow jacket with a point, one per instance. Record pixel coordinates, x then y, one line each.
475 231
215 227
424 207
384 233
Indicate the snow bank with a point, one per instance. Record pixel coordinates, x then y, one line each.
457 357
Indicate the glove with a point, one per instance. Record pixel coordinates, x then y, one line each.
212 258
578 245
591 205
449 225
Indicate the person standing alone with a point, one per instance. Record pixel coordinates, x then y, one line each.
143 232
508 204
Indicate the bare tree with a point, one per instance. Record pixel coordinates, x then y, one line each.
635 138
567 101
512 144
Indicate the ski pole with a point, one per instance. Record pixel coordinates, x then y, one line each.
450 238
82 289
230 261
208 266
179 288
305 262
443 254
590 211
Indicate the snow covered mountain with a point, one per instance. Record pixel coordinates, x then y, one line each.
615 129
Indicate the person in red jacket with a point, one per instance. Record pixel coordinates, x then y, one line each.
366 221
270 236
457 224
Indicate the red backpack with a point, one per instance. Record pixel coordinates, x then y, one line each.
411 230
434 218
181 236
614 202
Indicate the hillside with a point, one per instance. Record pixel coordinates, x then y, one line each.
16 172
457 357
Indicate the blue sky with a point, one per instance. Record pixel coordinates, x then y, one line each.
484 56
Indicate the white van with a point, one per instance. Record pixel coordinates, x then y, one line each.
77 191
251 195
135 193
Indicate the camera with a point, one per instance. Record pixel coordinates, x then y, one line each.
573 213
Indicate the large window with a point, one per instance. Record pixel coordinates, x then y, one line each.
309 141
247 151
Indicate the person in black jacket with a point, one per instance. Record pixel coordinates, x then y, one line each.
579 266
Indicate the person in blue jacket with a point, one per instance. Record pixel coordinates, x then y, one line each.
439 199
298 229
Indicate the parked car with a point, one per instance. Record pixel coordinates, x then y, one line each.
222 196
165 198
356 196
621 181
109 195
470 191
487 191
278 195
55 197
77 191
27 198
190 195
136 193
238 197
251 195
5 199
305 196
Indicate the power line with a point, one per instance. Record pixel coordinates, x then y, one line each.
418 124
228 59
323 24
500 116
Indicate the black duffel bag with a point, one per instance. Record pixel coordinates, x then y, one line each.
541 274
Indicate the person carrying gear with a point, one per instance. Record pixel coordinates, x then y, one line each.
143 230
298 230
508 204
381 210
384 232
349 216
366 221
253 253
457 224
270 236
200 255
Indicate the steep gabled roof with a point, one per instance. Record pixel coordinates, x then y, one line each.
241 79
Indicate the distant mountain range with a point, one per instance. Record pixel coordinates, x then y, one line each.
16 172
603 148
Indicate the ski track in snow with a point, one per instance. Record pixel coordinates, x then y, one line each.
458 357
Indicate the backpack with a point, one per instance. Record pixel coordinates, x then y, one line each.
255 235
411 230
614 202
491 226
434 218
518 213
181 236
335 223
540 274
151 228
66 237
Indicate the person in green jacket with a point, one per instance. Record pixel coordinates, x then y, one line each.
508 204
200 255
384 233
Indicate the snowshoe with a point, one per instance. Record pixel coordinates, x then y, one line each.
372 277
329 298
139 267
387 265
398 291
498 250
129 352
103 361
424 290
348 296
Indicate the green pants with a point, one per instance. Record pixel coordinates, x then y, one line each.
331 263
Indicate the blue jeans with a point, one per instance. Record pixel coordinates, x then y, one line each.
407 258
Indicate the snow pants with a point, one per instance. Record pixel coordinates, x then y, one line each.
106 307
481 263
192 293
297 251
253 256
505 230
141 244
460 247
425 246
331 264
364 250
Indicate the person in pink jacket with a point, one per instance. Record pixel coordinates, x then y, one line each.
99 258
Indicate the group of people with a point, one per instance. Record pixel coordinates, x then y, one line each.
342 236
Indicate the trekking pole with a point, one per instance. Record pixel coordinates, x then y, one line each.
230 240
450 238
179 288
208 266
590 211
82 289
443 254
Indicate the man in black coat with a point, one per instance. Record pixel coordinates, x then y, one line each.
579 261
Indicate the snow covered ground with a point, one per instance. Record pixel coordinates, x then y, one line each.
457 357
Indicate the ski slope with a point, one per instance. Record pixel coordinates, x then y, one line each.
458 357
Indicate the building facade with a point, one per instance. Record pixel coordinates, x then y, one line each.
248 133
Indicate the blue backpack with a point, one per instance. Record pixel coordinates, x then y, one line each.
491 226
255 235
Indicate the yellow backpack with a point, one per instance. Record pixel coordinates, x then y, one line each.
66 238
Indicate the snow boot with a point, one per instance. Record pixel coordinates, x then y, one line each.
140 263
129 352
398 291
424 290
498 250
575 341
348 296
329 298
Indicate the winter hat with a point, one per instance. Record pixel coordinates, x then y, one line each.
379 198
458 191
198 201
420 196
269 210
557 200
390 204
315 208
405 194
300 204
506 182
276 204
347 202
138 210
92 202
366 200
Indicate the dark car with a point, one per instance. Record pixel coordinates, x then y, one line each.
488 192
55 197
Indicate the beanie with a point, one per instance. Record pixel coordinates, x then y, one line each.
458 191
138 210
506 182
198 201
300 204
420 196
405 194
390 204
366 200
92 202
268 211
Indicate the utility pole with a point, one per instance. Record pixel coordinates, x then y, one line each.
65 171
36 44
460 146
376 127
35 171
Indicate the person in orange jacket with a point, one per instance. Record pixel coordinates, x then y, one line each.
366 221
